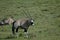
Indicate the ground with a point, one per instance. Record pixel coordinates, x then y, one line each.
46 15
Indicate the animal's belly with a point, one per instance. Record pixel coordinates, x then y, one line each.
22 27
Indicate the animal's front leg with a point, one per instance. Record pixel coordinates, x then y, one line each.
26 33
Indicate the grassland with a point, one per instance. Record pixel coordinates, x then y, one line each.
46 15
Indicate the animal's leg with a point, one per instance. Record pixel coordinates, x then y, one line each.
13 30
17 32
26 33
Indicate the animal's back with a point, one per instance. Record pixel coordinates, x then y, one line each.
20 22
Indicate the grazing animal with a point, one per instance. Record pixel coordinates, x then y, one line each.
23 23
7 21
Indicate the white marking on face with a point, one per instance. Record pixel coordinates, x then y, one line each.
31 20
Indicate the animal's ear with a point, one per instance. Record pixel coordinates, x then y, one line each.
33 19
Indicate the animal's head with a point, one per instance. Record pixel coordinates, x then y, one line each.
31 21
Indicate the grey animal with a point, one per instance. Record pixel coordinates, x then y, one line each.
23 23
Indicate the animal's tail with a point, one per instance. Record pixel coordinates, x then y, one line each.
13 28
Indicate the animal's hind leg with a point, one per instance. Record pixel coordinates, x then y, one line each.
17 31
13 30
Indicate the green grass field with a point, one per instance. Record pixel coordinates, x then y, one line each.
46 15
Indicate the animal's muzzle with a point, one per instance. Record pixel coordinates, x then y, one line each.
32 23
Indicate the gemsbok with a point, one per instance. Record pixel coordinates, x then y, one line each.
6 21
23 23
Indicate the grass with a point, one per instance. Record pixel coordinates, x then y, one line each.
46 15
